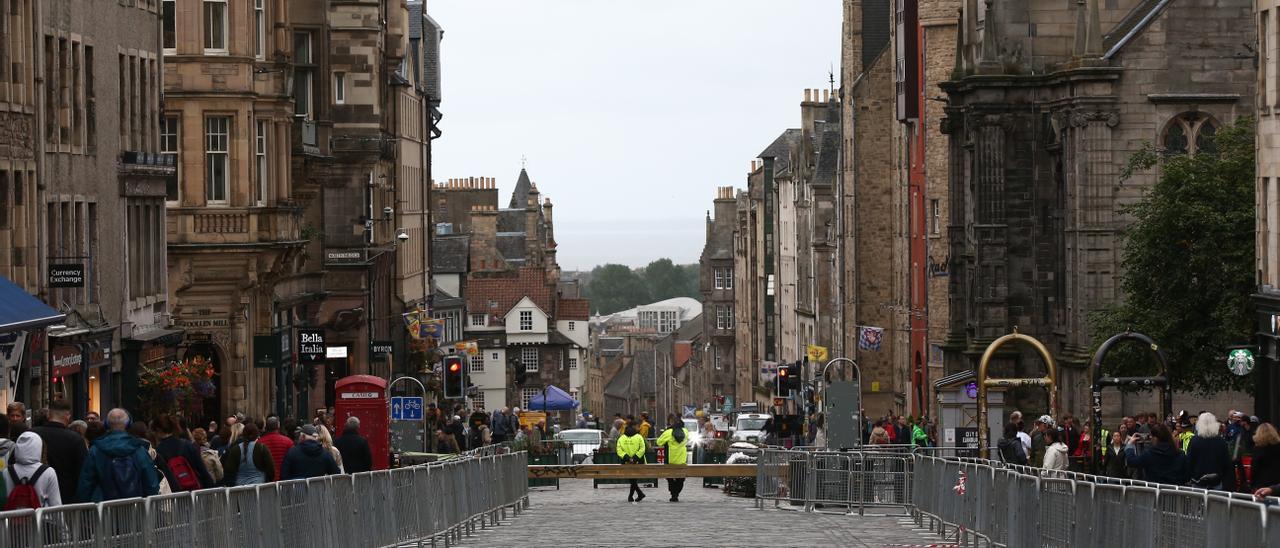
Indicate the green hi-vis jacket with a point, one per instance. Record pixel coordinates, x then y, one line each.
677 451
631 446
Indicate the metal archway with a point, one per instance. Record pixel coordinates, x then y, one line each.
1095 375
836 436
1049 382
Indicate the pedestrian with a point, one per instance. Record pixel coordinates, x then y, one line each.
445 443
879 435
1113 458
645 426
480 434
918 437
207 454
140 430
1038 443
1209 462
92 417
356 456
66 449
631 449
17 415
675 439
1010 446
278 444
95 430
501 426
181 457
619 426
819 431
326 440
1266 456
29 482
1162 462
118 466
79 427
308 459
247 462
1055 451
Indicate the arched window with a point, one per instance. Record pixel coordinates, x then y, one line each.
1189 133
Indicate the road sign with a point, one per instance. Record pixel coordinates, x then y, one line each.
406 408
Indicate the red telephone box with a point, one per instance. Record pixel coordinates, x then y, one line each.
365 397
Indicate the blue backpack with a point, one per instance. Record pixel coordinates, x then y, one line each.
123 479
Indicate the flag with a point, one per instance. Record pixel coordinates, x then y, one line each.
432 328
817 353
412 324
869 337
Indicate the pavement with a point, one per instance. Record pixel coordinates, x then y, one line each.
577 515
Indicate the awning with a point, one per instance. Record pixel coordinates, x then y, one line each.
19 310
556 400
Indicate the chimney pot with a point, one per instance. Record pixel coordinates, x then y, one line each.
806 95
826 95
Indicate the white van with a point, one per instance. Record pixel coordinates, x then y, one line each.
749 427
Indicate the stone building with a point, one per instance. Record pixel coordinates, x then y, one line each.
1267 300
1045 105
716 280
82 187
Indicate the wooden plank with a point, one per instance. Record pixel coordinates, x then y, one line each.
641 471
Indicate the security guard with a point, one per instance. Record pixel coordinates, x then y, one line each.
676 440
631 448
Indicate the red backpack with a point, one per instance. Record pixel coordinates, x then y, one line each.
24 493
184 473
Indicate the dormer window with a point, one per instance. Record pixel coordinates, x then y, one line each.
526 320
478 320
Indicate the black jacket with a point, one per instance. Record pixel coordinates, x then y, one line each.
1209 456
356 456
1115 463
1266 466
1162 463
65 453
174 446
307 459
1011 451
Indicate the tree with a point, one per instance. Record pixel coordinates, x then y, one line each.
665 280
1188 264
616 287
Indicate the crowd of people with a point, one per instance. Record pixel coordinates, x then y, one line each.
51 460
1241 454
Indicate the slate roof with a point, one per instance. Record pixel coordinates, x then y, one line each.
415 20
450 254
511 220
507 290
643 362
511 246
828 155
611 346
520 196
780 149
574 309
620 385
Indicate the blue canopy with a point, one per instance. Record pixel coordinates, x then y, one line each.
19 310
556 400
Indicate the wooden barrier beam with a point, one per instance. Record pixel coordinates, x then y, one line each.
640 471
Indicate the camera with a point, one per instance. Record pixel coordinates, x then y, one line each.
403 236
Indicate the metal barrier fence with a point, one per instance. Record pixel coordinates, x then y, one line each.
417 505
821 480
1017 506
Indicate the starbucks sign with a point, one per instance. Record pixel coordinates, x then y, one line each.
1240 361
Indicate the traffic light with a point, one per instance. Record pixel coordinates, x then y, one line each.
784 379
455 378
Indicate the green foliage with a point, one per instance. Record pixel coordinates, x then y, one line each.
1188 265
616 287
665 280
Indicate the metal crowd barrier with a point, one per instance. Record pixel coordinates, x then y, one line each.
411 506
823 480
1017 506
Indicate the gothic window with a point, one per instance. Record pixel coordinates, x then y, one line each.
1189 133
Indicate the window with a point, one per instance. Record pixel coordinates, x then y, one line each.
724 318
494 356
215 26
719 274
573 363
217 163
261 173
169 148
259 29
339 87
1264 84
302 89
529 357
527 395
526 320
935 217
715 355
478 320
477 401
476 363
724 278
1189 133
169 30
572 325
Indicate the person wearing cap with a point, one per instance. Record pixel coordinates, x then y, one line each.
308 459
1038 441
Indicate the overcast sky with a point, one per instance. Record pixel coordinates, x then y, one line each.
630 113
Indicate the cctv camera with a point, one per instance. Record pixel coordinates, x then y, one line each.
387 211
403 236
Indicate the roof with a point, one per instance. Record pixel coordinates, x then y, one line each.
520 196
689 309
620 385
511 246
415 20
611 346
450 254
780 149
511 221
955 379
644 364
20 310
573 309
505 291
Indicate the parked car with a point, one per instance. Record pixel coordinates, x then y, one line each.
584 442
749 427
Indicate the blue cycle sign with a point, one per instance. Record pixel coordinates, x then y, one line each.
406 408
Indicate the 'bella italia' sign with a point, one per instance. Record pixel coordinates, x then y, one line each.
311 345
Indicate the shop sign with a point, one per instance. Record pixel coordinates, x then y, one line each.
343 256
361 395
100 354
152 354
266 351
381 349
66 275
336 352
202 323
67 360
311 345
199 337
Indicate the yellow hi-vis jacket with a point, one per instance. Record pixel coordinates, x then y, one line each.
631 446
677 451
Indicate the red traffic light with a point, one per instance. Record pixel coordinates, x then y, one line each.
454 367
783 371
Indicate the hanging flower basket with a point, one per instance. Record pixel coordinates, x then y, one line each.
177 388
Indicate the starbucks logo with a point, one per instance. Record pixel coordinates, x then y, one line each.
1240 361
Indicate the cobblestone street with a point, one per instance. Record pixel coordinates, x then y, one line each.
578 515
